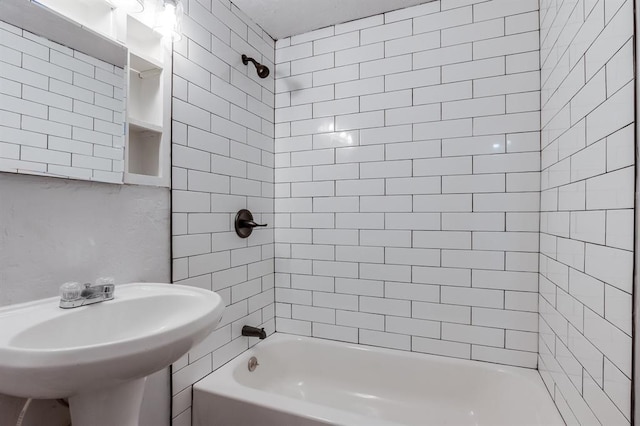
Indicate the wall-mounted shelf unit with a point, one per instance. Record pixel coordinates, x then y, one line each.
95 28
83 25
147 157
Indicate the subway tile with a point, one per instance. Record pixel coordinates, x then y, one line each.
441 312
359 24
386 32
314 63
413 186
386 135
412 221
413 114
472 70
386 66
492 260
442 93
611 191
443 203
386 100
359 121
441 347
612 342
507 45
505 280
473 108
473 297
413 256
335 75
412 291
504 356
499 8
445 19
442 239
411 326
523 321
385 238
335 43
360 54
613 266
360 320
359 287
335 332
412 44
473 32
443 56
359 187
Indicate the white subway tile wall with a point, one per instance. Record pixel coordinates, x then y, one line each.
61 111
586 224
407 185
223 161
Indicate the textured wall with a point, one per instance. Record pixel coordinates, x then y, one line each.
222 162
407 180
61 111
587 219
57 230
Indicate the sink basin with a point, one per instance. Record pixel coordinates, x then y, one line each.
103 350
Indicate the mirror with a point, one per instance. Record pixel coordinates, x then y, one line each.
62 96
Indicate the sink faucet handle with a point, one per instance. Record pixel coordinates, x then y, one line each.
70 290
105 281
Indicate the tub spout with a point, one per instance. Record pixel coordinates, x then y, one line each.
249 331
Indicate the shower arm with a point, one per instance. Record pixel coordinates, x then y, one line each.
246 59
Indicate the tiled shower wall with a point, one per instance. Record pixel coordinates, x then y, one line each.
222 162
407 180
587 220
61 111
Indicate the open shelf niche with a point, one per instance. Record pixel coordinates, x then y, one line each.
147 157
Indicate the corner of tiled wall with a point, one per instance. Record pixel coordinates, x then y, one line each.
407 180
223 161
587 219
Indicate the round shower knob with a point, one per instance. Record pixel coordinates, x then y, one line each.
244 223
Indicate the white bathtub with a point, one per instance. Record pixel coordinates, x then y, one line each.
303 381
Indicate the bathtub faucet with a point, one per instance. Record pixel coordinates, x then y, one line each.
249 331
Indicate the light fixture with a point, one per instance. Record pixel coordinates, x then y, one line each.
131 6
168 20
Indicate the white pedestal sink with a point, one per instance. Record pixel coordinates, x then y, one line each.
99 355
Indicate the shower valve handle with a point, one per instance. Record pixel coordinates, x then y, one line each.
244 223
250 224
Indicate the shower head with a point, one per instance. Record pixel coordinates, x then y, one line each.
263 71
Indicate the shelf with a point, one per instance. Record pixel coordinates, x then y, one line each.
135 179
144 151
146 92
140 125
142 62
83 25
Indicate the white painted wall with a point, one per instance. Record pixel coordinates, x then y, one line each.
56 230
407 181
587 219
222 162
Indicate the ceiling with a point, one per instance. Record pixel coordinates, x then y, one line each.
283 18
